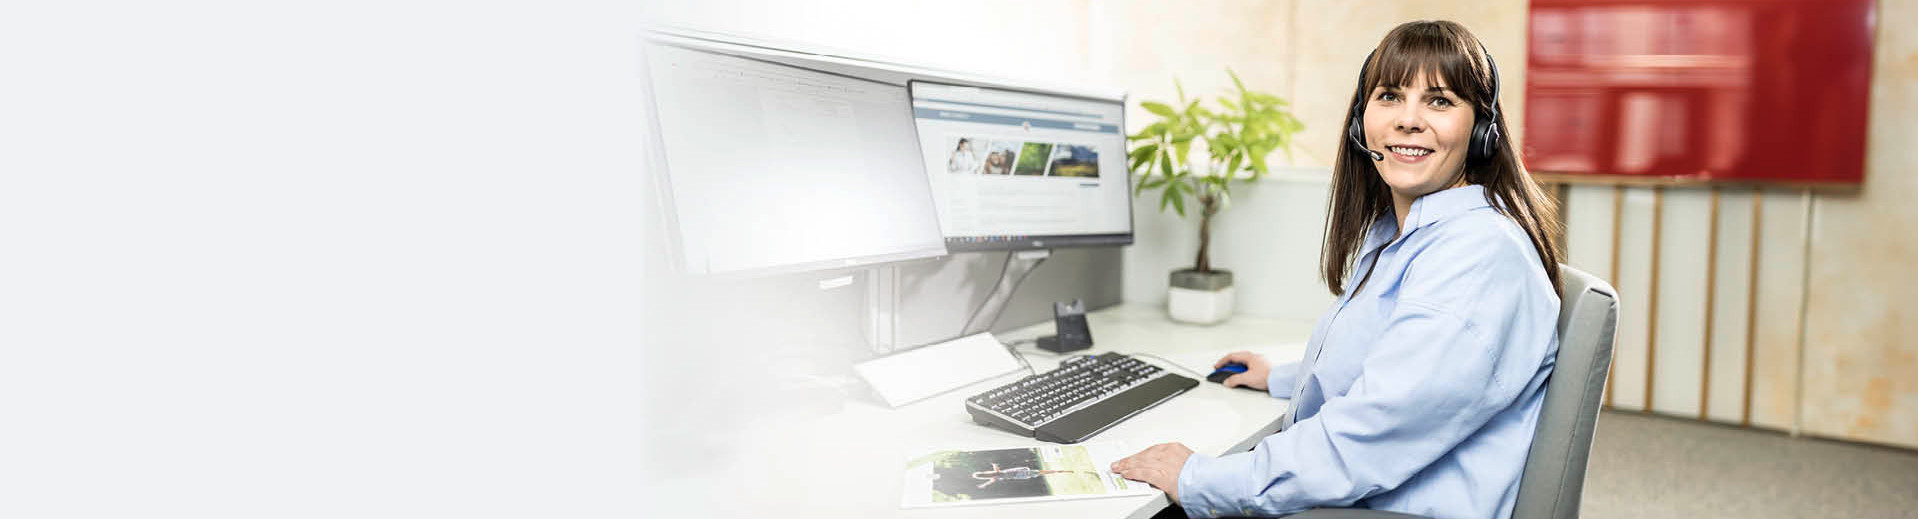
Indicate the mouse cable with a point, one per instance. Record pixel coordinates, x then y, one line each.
1173 364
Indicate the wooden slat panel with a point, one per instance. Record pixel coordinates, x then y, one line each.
1618 226
1780 299
1634 284
1588 229
1683 272
1731 294
1711 312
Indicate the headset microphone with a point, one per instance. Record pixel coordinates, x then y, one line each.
1376 156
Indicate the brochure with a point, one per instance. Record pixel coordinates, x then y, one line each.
1018 475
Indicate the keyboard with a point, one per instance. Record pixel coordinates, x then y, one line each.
1084 396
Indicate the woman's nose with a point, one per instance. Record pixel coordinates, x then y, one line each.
1408 120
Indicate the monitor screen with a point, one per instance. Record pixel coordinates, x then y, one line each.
1022 170
776 168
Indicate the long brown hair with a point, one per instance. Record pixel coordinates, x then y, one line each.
1438 49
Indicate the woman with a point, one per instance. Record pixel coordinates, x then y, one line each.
963 160
996 164
1421 386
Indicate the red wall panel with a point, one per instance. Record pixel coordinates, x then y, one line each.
1729 90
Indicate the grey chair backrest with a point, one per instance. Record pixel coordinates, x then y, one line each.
1554 477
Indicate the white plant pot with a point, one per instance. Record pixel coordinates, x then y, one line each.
1200 306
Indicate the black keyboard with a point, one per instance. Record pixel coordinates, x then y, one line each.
1082 397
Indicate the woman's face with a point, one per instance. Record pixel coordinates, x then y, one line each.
1424 131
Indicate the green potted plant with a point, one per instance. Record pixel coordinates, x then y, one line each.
1237 136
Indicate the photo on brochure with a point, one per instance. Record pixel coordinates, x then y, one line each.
1032 159
999 157
1043 473
965 157
1071 160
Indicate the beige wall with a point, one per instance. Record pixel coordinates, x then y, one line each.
1861 336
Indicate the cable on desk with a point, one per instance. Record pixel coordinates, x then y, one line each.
1173 364
1022 342
1012 347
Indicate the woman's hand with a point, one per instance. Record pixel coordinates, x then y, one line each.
1158 466
1256 369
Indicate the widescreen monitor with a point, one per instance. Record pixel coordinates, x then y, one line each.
1024 170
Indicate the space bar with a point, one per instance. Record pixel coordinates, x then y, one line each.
1084 423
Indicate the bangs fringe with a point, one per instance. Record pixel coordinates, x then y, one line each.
1436 53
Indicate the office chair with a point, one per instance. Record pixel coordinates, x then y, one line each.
1554 477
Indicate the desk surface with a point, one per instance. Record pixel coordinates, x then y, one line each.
850 463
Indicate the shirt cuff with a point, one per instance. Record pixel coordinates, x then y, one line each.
1192 495
1280 380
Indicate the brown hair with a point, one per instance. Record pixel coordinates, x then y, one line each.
1438 49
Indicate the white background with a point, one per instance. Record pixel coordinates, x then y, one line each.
325 259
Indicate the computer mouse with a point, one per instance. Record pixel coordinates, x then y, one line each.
1229 369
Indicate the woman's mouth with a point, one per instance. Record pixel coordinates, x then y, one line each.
1409 153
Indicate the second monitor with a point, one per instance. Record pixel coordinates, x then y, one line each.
1022 170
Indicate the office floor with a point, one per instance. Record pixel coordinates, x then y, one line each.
1656 467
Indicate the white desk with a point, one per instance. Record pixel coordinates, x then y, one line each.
849 463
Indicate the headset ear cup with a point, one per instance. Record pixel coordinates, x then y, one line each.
1355 132
1493 137
1485 136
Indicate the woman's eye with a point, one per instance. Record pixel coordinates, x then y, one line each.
1388 96
1441 102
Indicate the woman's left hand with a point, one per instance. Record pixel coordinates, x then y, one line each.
1158 466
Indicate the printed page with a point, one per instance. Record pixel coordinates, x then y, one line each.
1018 475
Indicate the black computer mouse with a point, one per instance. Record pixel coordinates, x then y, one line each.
1231 368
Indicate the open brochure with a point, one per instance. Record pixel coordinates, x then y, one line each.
1019 475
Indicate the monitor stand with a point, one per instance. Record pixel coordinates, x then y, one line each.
1019 264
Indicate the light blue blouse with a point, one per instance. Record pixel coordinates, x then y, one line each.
1419 392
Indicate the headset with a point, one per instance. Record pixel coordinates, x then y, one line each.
1485 131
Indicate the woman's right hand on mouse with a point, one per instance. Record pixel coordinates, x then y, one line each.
1256 369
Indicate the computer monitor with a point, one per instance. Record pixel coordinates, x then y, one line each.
1024 170
775 168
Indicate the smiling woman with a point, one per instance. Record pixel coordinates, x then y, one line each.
1419 390
1428 96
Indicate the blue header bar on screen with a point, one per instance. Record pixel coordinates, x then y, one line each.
975 117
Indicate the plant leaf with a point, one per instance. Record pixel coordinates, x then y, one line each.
1264 98
1227 140
1228 103
1144 151
1161 109
1178 202
1165 197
